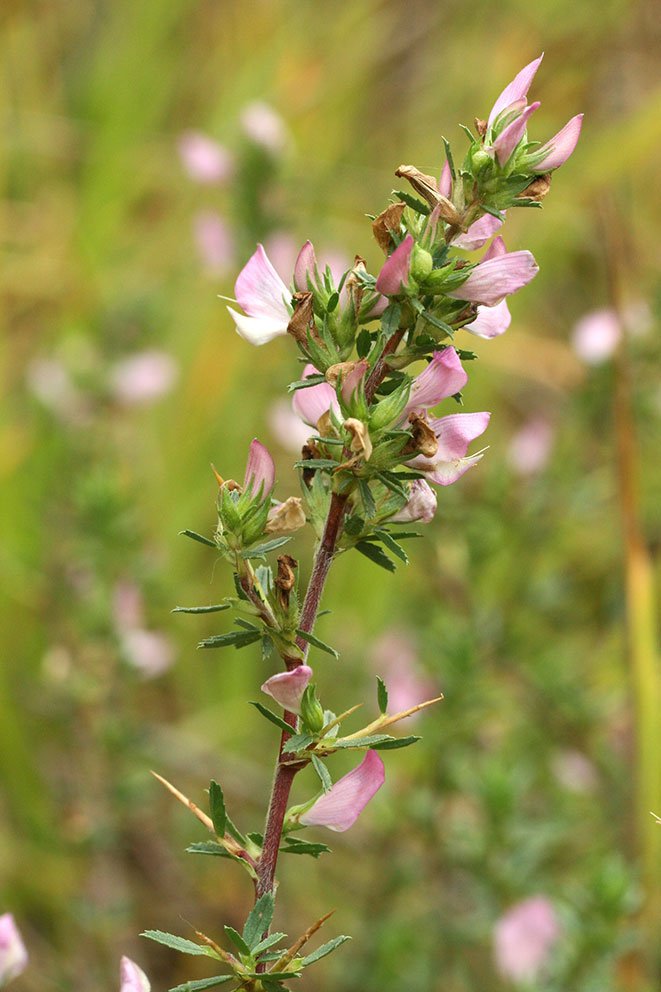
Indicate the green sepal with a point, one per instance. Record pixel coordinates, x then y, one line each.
278 721
194 536
317 643
381 694
259 920
325 949
180 944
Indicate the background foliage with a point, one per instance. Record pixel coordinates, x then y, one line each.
528 778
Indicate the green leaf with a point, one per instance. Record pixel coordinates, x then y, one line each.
246 624
197 537
202 983
273 938
363 343
317 643
296 846
375 554
202 609
492 210
235 638
390 319
323 773
263 549
437 322
413 202
312 380
448 155
217 808
381 694
298 743
237 940
266 712
394 743
359 742
259 919
325 949
393 546
211 847
179 943
333 300
367 498
316 463
256 838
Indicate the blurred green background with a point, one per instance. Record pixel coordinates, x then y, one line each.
530 603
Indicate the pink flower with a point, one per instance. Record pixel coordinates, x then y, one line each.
305 267
530 448
286 427
443 377
394 655
445 182
13 953
204 159
260 291
421 505
478 233
515 91
287 688
558 149
150 652
499 274
313 402
341 806
260 470
352 380
512 134
264 126
454 433
143 377
524 937
214 242
133 978
596 336
395 271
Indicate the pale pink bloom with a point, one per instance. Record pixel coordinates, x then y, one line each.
260 470
394 656
395 272
496 277
478 233
127 605
524 938
490 321
341 806
264 126
511 135
596 336
560 146
143 377
454 433
286 427
420 506
444 376
214 242
287 688
574 771
148 651
313 402
133 978
305 267
515 91
530 448
13 953
204 159
260 291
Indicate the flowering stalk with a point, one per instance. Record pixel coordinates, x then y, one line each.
381 360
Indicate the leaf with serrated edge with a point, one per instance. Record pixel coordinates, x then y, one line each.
325 949
322 772
381 694
217 808
202 983
218 608
200 538
237 940
180 944
317 643
273 938
259 919
266 712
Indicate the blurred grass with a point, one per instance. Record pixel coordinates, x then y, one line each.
517 592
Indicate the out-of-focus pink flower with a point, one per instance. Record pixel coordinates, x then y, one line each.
287 428
420 506
13 953
478 233
443 377
312 403
341 806
524 937
132 978
498 275
263 295
260 470
264 126
490 321
395 272
574 771
143 377
596 336
511 135
394 656
127 605
204 159
454 433
558 148
287 688
214 242
529 449
515 91
148 651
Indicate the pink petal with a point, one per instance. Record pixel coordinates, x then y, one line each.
443 377
260 291
445 473
421 506
341 806
478 233
286 427
352 381
560 146
260 470
305 267
529 449
511 135
495 249
143 377
395 271
490 321
287 688
204 159
312 403
264 126
524 938
445 182
150 652
258 330
516 90
494 279
132 977
596 336
455 432
13 953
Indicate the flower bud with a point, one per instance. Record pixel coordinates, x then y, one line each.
289 688
311 711
480 160
421 263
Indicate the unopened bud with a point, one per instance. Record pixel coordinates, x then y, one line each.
421 263
480 159
386 223
311 711
301 325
